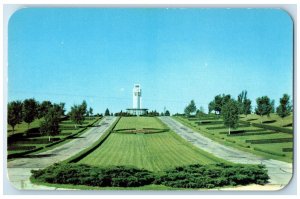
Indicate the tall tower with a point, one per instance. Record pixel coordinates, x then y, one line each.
137 96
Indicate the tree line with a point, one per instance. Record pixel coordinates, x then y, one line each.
230 109
52 113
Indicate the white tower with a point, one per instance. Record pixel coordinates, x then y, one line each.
137 96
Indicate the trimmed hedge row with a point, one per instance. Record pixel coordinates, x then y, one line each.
20 148
243 131
209 122
287 149
192 176
93 147
246 134
274 128
36 141
269 152
267 141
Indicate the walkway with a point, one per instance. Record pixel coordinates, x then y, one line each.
19 169
280 172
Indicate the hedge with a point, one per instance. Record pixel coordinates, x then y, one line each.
209 122
274 128
94 146
191 176
269 152
20 148
246 134
266 141
287 149
243 131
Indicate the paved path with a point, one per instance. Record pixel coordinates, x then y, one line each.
19 169
280 172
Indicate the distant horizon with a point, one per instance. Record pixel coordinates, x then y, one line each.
176 55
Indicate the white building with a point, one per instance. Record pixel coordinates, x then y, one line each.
137 96
137 102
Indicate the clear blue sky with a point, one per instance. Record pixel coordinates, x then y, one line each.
68 55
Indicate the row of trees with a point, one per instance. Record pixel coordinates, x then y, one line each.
230 108
52 113
30 109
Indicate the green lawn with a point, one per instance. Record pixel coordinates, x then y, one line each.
20 138
139 123
154 152
279 122
239 141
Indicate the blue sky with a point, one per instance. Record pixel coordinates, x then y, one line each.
68 55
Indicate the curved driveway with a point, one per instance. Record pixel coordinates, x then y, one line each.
19 170
280 172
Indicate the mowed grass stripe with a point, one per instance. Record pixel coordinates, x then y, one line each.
154 152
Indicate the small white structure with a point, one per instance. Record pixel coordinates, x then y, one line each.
137 102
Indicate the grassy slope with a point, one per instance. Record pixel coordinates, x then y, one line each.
215 135
154 152
23 128
279 121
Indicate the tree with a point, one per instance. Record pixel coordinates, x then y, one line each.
50 125
247 107
29 110
107 112
77 115
285 107
14 113
83 107
191 108
211 106
263 106
272 106
230 112
43 108
90 111
167 113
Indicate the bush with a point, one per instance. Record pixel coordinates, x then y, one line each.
217 175
80 174
191 176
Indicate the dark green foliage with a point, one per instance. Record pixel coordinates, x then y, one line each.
274 128
77 113
14 115
218 102
29 110
191 108
264 106
267 141
230 112
285 108
50 124
167 113
216 175
107 112
43 108
192 176
80 174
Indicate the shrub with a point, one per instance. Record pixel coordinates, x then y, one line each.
191 176
80 174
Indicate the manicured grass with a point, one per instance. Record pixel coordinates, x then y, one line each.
240 141
138 123
279 122
34 139
23 127
154 152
